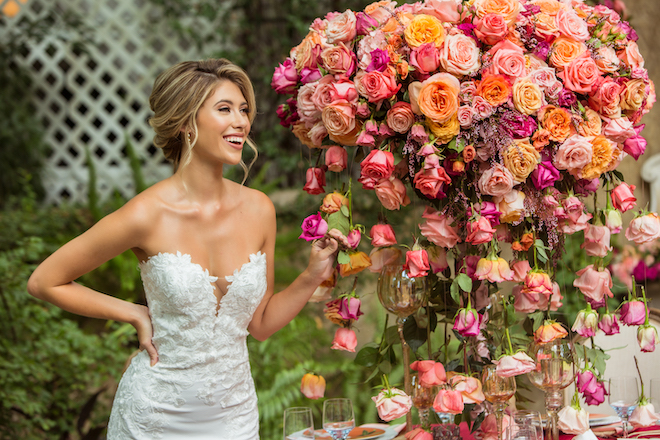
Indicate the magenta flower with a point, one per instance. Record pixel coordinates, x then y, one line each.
609 324
633 313
544 175
349 308
467 322
313 227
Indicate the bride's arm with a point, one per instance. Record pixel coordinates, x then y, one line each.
53 279
276 311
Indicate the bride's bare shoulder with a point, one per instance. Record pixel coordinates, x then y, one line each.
256 201
149 204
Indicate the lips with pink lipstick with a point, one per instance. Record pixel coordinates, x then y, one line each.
235 140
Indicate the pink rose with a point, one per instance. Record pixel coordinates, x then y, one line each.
383 257
444 10
391 193
571 25
417 263
392 404
448 401
344 339
377 165
647 337
619 129
525 301
467 322
430 373
341 28
489 427
635 146
630 55
605 98
644 415
366 140
633 313
339 60
317 133
596 241
364 23
349 308
354 238
623 198
308 75
307 109
514 365
594 284
573 421
285 77
508 59
431 179
469 387
574 154
479 231
581 74
491 28
460 55
644 229
520 270
336 158
496 181
400 117
437 228
418 434
376 86
586 323
315 181
465 115
613 220
437 258
425 59
382 235
609 324
313 227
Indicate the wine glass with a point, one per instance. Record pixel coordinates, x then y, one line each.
497 390
338 418
298 424
623 395
526 425
655 393
554 371
422 398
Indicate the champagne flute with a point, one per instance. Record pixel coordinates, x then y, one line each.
497 390
298 424
338 418
623 395
422 398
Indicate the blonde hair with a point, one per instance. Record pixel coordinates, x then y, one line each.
177 96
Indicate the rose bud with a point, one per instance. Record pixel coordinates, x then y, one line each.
647 337
609 324
633 313
349 308
336 158
392 403
353 238
315 181
431 373
586 322
623 198
344 339
467 322
382 235
448 401
312 386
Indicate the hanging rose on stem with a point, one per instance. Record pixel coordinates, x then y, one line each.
512 364
573 419
417 261
644 413
312 386
549 331
391 402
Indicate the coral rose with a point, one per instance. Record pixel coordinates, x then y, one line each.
436 98
437 228
564 50
581 74
623 198
341 28
448 401
418 434
521 158
514 365
557 121
549 331
424 29
400 117
377 165
430 373
605 99
507 59
495 89
479 231
417 263
344 339
392 193
430 181
593 283
491 28
382 235
312 386
336 158
377 86
425 59
596 241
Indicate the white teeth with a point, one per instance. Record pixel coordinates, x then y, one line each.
236 140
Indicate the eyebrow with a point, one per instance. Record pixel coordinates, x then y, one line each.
229 101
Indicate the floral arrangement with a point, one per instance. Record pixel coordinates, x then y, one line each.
498 118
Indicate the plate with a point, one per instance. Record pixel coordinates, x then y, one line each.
602 419
359 433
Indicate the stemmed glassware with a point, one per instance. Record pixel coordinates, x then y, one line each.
422 398
526 425
554 371
497 390
402 295
623 395
298 424
338 418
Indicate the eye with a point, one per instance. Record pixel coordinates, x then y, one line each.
245 110
223 109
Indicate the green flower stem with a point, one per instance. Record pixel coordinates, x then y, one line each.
506 326
646 318
642 397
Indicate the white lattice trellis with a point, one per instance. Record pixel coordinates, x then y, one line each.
95 99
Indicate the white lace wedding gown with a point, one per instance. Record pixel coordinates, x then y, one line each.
201 388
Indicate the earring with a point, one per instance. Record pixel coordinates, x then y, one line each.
189 138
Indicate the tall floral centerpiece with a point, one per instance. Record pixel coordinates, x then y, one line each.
492 121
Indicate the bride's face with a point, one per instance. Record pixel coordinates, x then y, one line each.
223 125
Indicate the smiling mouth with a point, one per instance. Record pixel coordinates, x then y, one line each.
234 140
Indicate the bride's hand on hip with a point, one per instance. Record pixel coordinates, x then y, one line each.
322 258
145 332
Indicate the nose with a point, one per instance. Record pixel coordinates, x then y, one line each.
241 119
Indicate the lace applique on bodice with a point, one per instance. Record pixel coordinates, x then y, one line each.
202 351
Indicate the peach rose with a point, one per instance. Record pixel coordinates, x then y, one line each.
392 193
424 29
380 10
574 154
633 95
302 133
437 228
571 25
495 89
495 270
596 241
511 206
619 129
460 55
317 133
545 25
509 9
631 56
312 386
376 86
508 59
436 98
644 229
400 117
602 150
341 28
605 98
514 365
308 51
564 50
521 158
333 202
383 257
358 262
491 28
339 118
445 131
607 60
469 387
591 124
557 121
444 10
349 139
339 60
527 96
392 403
573 421
581 74
550 7
496 181
344 339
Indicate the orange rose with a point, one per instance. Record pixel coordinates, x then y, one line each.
445 131
436 98
633 94
380 10
424 29
339 118
557 121
312 386
308 51
396 24
495 89
546 24
521 158
349 139
603 150
402 69
300 131
540 139
509 9
359 262
550 7
591 123
527 96
469 153
564 50
333 202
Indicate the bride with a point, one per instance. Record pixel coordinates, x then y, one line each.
205 246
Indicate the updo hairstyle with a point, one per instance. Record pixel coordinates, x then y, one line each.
177 96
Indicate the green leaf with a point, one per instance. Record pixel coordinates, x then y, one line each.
414 335
343 257
455 292
337 220
385 367
465 282
344 210
367 356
